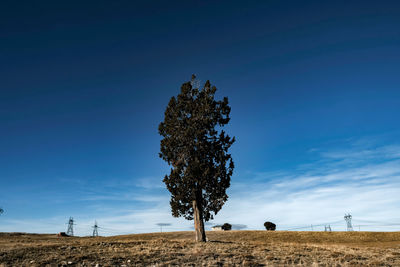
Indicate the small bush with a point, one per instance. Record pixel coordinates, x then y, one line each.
270 226
226 227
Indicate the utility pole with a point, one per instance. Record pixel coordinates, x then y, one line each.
162 224
312 228
70 230
95 232
347 218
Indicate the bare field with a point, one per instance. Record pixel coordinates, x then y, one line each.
233 248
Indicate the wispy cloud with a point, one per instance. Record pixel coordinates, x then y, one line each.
362 179
365 183
382 153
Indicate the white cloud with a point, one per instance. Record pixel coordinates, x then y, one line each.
363 182
323 193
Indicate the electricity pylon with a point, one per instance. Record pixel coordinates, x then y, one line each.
95 227
347 218
70 230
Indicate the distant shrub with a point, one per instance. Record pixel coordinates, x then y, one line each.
270 226
226 227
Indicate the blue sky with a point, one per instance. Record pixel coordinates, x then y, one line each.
314 89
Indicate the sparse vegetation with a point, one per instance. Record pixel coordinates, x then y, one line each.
240 248
270 226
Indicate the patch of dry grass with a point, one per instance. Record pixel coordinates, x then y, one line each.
244 248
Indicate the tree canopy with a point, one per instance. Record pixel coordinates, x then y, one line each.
197 149
270 226
227 226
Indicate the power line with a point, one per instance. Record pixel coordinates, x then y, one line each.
314 225
327 226
163 224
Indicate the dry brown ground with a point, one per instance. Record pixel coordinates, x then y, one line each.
234 248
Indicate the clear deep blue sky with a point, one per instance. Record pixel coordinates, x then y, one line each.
84 85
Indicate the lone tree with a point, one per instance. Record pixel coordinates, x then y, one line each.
226 227
270 226
197 149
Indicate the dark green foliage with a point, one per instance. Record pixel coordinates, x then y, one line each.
197 150
226 227
270 226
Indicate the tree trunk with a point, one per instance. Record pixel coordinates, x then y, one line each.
198 222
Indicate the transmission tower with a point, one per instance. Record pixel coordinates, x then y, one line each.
95 233
70 230
328 228
347 218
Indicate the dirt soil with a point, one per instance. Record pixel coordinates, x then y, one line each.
231 248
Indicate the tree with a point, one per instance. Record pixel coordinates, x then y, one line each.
196 147
270 226
226 227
